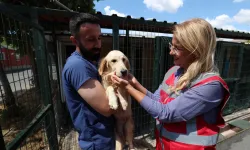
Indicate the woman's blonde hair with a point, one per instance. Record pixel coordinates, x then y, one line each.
198 37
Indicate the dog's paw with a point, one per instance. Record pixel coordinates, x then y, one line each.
124 105
113 102
113 106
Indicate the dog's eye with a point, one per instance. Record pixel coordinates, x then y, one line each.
123 59
113 60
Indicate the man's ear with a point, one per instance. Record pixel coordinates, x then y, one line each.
73 40
103 67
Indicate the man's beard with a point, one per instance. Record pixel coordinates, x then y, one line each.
92 54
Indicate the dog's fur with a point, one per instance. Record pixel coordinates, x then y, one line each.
116 62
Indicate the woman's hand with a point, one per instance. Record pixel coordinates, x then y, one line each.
125 83
132 80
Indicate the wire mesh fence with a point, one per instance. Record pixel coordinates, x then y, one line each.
141 49
140 52
25 107
20 97
54 83
29 79
232 60
38 139
148 53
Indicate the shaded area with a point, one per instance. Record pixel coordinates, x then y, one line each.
28 106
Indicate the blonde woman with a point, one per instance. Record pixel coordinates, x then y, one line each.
188 104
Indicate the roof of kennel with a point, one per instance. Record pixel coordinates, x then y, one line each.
58 19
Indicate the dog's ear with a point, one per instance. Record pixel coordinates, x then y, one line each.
127 63
102 67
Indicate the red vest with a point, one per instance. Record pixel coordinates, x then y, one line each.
194 134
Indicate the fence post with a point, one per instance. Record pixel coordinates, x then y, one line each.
41 58
156 71
2 144
156 63
240 60
115 31
239 68
163 60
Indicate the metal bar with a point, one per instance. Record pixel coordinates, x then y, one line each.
156 67
4 8
40 52
61 5
169 58
55 50
236 86
167 61
221 57
59 101
240 60
60 66
13 145
241 49
217 55
162 60
156 63
115 36
2 144
127 44
231 79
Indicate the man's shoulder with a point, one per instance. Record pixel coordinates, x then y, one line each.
77 70
76 63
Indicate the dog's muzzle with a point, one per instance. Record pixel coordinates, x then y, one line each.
124 72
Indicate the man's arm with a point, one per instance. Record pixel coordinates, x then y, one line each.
82 76
94 94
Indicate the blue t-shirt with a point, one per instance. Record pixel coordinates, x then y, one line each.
95 130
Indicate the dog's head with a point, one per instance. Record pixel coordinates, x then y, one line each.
115 62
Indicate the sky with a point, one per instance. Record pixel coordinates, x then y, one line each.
225 14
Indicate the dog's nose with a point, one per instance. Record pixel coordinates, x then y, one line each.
124 72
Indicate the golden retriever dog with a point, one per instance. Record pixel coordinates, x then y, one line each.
117 63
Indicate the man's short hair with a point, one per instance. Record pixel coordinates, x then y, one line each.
79 19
